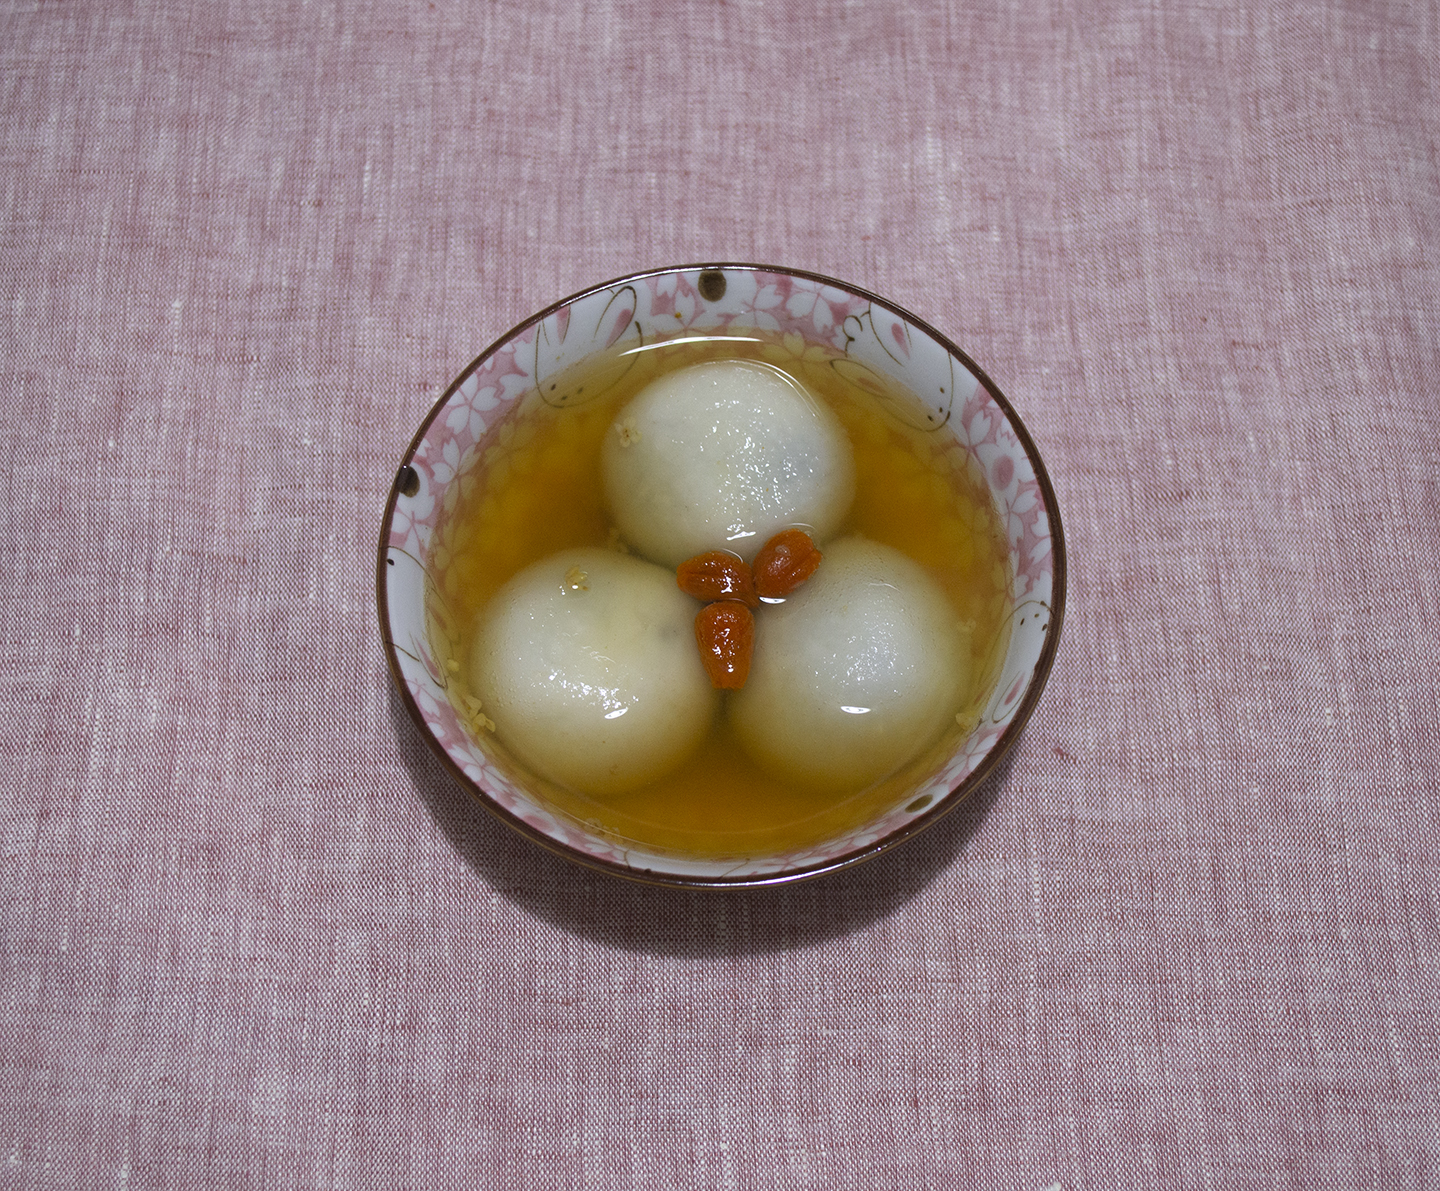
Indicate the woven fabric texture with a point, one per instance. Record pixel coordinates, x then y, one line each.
251 934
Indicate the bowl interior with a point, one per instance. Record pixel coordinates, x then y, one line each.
866 340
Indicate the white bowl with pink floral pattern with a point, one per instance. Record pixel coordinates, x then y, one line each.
957 405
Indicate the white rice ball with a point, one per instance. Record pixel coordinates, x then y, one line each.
722 456
587 664
854 674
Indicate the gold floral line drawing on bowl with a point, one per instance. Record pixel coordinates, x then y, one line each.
859 342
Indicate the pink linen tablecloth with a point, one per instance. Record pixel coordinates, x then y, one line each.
251 935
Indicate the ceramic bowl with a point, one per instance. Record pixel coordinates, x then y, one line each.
957 409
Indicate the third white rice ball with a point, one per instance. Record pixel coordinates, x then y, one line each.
855 674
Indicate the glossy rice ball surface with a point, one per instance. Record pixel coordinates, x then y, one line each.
586 662
856 673
722 456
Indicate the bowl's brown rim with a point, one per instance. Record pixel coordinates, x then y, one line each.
957 794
